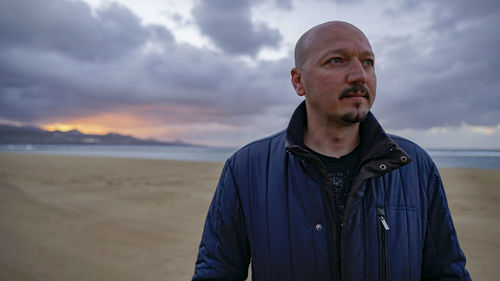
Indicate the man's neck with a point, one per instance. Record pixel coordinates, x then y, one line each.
331 139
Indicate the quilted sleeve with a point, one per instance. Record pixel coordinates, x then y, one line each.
443 258
224 252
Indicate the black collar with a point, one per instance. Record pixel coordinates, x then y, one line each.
379 153
374 140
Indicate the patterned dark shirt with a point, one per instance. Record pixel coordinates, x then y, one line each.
341 183
341 173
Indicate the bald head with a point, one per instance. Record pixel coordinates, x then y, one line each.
315 33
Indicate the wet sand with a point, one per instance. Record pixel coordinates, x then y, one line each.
83 218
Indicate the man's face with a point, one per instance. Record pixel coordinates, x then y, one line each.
337 77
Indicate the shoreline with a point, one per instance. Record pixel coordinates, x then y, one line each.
101 218
488 159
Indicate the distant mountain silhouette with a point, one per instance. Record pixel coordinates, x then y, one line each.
32 135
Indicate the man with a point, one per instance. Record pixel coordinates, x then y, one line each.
333 197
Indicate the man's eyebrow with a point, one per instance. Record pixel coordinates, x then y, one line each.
368 54
345 51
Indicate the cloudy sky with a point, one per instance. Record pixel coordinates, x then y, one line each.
217 71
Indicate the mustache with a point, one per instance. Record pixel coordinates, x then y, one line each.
354 89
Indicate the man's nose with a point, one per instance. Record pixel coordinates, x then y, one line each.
356 73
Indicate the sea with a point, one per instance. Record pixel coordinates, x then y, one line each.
444 158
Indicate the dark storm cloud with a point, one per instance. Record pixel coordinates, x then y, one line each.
228 23
447 75
62 60
69 27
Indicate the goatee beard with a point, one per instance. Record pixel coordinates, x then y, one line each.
354 117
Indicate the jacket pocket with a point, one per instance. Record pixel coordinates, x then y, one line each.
383 231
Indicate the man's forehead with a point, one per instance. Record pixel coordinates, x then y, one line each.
336 32
327 35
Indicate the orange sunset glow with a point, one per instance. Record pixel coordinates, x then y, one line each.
122 123
84 128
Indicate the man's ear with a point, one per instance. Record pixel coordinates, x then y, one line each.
297 81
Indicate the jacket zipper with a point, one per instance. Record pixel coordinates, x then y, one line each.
381 149
383 229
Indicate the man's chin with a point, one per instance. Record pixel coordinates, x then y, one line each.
354 117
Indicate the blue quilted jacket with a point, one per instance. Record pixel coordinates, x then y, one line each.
273 209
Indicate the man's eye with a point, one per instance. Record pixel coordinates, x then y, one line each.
368 62
336 60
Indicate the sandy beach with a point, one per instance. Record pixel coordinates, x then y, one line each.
83 218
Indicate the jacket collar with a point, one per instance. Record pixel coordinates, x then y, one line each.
375 143
296 126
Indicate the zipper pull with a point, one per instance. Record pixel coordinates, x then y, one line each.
384 223
381 216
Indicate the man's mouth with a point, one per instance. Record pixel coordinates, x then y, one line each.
356 94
